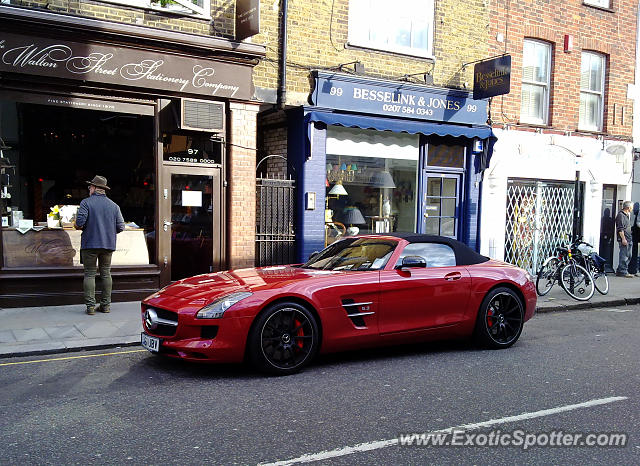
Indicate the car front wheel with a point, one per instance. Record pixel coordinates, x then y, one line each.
283 339
500 319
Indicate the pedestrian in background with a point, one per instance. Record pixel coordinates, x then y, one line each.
624 237
100 220
635 238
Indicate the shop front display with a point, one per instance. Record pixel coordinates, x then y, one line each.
149 112
385 156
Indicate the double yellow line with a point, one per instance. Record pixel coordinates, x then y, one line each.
71 357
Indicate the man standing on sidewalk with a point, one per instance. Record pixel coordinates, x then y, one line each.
100 220
623 235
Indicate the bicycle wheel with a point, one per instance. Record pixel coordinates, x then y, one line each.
577 282
600 281
547 276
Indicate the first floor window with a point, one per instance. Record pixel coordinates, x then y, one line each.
592 74
403 26
536 64
600 3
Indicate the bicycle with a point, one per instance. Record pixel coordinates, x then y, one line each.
594 264
574 279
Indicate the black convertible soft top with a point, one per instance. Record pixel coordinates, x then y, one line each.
464 254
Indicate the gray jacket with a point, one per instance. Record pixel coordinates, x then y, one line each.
100 220
623 223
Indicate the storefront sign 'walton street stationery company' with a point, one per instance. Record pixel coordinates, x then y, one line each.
124 66
397 99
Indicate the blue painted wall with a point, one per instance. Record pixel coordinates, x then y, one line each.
306 151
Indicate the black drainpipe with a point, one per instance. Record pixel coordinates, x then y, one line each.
282 78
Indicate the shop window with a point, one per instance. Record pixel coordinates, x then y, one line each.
55 150
371 182
188 7
403 26
592 73
536 80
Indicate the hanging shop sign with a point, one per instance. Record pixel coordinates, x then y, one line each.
124 66
492 77
389 98
247 18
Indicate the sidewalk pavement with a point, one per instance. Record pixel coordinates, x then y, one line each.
59 329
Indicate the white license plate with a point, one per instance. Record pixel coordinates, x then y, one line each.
150 343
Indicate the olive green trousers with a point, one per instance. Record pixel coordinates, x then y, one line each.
95 260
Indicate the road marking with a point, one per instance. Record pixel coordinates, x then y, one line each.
616 310
369 446
71 357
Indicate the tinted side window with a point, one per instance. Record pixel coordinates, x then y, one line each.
436 254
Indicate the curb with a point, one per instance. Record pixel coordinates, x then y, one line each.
75 349
588 305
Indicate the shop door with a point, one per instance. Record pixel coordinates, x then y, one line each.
191 221
607 224
440 204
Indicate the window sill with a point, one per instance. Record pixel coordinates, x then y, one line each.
534 125
594 132
373 48
597 7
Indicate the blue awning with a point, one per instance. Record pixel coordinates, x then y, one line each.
400 126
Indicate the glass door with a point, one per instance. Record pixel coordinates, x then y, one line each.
440 204
194 221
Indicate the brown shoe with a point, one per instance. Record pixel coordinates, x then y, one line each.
103 309
91 311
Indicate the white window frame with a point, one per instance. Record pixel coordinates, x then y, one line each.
362 14
600 123
178 7
545 85
598 3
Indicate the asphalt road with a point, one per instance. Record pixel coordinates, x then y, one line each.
130 407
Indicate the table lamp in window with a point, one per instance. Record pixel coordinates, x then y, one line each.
353 217
334 193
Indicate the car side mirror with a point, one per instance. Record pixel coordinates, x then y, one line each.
411 262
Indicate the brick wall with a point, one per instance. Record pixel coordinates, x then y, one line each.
241 191
318 33
272 140
609 32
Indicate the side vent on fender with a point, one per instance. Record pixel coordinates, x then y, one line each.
355 311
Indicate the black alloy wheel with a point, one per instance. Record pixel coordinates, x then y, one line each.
500 319
283 339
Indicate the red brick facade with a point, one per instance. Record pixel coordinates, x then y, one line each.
610 32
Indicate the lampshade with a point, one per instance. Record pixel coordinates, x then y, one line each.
382 179
338 190
353 216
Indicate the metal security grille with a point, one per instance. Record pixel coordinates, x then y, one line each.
539 218
275 237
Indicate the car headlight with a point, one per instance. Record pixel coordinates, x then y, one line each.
216 309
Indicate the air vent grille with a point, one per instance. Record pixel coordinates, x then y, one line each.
202 115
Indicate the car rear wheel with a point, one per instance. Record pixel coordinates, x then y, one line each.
283 339
500 319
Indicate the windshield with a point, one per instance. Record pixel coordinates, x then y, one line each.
353 254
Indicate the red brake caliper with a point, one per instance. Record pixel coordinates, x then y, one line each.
299 334
489 318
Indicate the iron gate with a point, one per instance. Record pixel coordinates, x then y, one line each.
275 237
539 218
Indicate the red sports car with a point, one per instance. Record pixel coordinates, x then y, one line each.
359 292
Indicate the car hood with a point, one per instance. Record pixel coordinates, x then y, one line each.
211 286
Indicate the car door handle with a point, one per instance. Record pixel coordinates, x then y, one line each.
453 276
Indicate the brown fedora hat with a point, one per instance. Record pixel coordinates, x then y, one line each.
99 182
